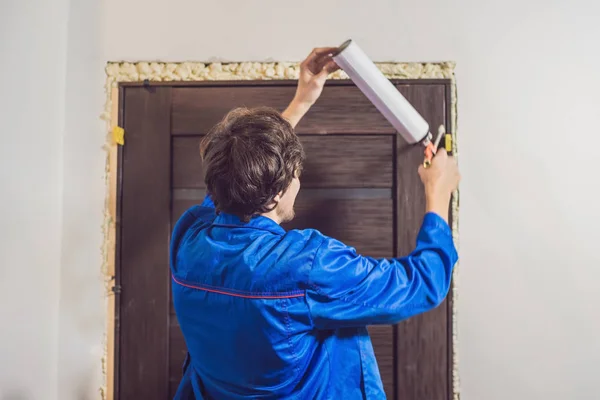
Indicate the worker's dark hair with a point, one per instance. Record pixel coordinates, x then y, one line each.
249 157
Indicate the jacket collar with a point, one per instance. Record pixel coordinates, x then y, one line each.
257 222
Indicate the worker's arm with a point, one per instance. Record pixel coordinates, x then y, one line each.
313 74
347 289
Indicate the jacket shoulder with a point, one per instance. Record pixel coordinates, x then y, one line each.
308 237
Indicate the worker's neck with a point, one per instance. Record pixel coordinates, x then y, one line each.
273 215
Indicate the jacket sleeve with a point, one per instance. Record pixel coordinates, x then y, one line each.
349 290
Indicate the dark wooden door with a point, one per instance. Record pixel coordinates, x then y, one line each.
360 186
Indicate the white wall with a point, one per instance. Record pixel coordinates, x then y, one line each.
528 316
52 178
82 314
33 48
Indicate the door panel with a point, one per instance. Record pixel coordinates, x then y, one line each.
144 230
341 109
425 337
359 185
371 233
360 161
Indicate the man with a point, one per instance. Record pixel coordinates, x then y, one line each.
272 314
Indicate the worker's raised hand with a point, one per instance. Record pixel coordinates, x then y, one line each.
313 74
440 180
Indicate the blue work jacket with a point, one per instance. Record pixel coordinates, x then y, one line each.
270 314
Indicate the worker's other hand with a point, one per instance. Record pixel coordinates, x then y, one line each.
440 180
314 71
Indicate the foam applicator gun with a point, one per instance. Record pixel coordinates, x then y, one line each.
387 99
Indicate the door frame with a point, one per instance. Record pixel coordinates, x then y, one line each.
121 75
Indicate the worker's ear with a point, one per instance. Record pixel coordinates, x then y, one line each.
277 198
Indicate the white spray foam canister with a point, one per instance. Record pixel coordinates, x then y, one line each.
381 92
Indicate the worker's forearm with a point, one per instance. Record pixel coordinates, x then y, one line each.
437 203
295 111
